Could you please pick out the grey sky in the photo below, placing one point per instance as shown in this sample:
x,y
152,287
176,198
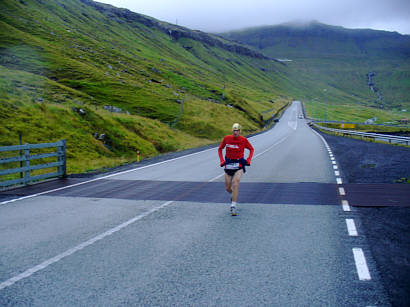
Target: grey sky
x,y
224,15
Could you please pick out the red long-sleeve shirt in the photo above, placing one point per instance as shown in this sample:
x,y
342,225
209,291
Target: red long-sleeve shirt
x,y
235,147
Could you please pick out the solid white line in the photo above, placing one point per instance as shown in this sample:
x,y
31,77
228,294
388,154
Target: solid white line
x,y
103,177
345,205
77,248
361,265
342,191
277,143
351,227
339,180
219,176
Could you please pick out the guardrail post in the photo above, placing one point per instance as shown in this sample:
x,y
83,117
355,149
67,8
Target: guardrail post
x,y
62,170
27,165
21,153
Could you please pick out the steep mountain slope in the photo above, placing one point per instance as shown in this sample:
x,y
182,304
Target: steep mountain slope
x,y
334,59
112,82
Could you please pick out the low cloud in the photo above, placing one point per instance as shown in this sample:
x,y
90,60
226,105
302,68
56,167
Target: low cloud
x,y
218,16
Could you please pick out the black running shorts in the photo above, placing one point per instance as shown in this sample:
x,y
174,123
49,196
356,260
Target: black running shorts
x,y
231,172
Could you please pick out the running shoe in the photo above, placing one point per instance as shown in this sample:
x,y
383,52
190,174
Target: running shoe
x,y
233,210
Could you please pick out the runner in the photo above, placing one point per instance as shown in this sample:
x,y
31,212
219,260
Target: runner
x,y
234,161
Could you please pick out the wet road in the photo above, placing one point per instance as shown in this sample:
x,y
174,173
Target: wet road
x,y
161,235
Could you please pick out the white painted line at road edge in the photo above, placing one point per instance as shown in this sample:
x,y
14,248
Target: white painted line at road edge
x,y
79,247
103,177
361,265
121,173
351,228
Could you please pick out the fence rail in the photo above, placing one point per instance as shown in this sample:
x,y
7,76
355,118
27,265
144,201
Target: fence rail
x,y
26,167
376,136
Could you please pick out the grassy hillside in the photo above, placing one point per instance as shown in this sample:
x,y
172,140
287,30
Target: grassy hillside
x,y
65,66
333,62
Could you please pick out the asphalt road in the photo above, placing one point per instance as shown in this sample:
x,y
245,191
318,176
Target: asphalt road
x,y
162,235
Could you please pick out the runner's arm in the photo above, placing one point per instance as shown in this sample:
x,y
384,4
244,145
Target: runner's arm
x,y
251,151
220,148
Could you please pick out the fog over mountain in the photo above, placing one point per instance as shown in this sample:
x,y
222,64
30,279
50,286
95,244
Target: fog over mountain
x,y
220,16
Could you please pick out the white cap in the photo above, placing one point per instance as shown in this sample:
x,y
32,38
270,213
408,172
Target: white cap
x,y
236,126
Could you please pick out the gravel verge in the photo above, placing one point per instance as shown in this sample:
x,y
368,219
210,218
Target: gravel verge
x,y
386,228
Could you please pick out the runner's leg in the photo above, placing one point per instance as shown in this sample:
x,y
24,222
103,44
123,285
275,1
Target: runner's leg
x,y
235,184
228,183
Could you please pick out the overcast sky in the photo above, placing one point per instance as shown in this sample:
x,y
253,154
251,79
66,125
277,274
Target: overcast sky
x,y
224,15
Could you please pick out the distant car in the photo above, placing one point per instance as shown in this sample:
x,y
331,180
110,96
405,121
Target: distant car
x,y
276,120
300,116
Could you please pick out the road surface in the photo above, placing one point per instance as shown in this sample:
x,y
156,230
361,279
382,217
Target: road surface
x,y
162,235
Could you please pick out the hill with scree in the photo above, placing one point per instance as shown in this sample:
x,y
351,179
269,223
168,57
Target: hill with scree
x,y
112,82
366,68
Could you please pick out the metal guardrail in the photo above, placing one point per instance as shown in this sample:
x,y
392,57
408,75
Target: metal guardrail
x,y
25,158
390,138
358,123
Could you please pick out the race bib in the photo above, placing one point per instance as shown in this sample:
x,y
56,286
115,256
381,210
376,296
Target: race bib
x,y
232,166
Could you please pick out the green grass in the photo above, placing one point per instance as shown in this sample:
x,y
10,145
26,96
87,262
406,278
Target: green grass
x,y
58,57
352,113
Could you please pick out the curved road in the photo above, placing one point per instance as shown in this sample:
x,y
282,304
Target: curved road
x,y
162,235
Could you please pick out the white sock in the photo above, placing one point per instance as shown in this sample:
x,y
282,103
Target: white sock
x,y
233,204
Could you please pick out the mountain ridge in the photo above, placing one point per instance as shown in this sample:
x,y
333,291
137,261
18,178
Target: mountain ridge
x,y
364,39
326,56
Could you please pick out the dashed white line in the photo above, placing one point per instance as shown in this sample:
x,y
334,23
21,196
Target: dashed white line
x,y
342,191
361,265
351,228
335,167
337,173
77,248
339,180
345,205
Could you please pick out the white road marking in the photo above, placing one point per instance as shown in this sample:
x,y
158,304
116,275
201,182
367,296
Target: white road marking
x,y
277,143
77,248
103,177
217,177
342,191
351,227
335,167
339,180
337,173
333,162
345,205
361,265
332,158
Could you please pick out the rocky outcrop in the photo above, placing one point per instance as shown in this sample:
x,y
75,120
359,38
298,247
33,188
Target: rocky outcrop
x,y
176,32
